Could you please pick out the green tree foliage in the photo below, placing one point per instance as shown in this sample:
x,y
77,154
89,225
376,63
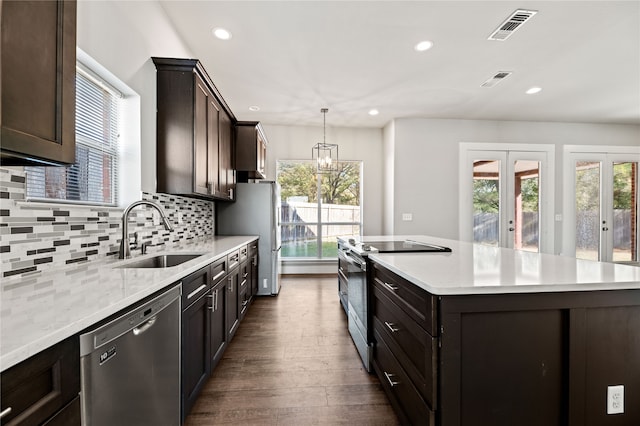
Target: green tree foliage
x,y
343,186
486,196
588,186
622,180
300,180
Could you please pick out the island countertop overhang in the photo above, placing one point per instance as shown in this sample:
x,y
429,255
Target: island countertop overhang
x,y
480,269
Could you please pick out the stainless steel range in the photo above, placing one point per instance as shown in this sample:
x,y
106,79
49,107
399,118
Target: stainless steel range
x,y
353,276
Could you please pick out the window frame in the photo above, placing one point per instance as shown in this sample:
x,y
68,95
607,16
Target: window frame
x,y
113,150
319,224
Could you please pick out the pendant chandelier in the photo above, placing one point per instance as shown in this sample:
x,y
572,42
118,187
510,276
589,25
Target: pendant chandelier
x,y
325,154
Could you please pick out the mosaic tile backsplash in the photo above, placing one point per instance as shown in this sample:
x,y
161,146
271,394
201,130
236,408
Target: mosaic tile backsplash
x,y
38,236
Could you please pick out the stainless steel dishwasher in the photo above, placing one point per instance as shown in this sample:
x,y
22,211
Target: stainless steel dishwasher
x,y
130,367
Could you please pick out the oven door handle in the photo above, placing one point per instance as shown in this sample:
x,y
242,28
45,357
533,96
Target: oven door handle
x,y
349,258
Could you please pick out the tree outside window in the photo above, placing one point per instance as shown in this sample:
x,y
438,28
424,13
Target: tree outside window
x,y
316,208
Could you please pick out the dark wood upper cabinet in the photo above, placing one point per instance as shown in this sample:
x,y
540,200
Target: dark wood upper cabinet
x,y
227,168
194,154
38,69
251,150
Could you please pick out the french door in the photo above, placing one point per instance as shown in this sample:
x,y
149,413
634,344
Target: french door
x,y
603,208
507,200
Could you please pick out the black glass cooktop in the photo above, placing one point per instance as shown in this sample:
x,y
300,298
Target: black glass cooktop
x,y
404,246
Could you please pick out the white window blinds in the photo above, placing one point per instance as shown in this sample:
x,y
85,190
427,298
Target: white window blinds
x,y
93,177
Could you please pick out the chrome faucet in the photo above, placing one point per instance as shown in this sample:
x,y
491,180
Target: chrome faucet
x,y
125,250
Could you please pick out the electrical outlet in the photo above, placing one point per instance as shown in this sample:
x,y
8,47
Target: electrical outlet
x,y
615,399
407,217
264,283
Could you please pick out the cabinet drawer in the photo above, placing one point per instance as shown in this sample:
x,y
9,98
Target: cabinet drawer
x,y
219,270
244,253
395,381
39,387
233,259
417,303
244,276
253,248
413,347
194,286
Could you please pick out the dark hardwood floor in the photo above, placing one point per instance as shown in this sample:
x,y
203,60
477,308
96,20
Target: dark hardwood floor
x,y
292,362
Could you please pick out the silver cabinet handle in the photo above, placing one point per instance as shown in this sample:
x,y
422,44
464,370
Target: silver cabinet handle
x,y
196,291
391,382
5,412
144,327
391,327
391,286
218,275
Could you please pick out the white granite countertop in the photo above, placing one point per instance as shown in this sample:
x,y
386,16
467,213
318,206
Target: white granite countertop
x,y
40,311
480,269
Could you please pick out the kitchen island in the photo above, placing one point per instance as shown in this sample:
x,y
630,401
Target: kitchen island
x,y
484,335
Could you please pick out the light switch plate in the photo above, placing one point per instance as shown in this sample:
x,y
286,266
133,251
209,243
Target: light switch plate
x,y
407,217
615,399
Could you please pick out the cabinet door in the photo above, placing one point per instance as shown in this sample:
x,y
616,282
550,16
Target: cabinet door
x,y
226,171
195,352
233,313
213,146
218,321
38,57
206,141
253,275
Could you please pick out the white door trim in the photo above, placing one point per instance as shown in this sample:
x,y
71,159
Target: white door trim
x,y
571,153
547,188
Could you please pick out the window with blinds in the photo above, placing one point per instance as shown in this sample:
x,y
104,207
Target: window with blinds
x,y
93,177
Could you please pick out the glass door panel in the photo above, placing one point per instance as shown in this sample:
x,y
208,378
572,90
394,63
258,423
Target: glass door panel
x,y
588,201
525,224
625,206
486,202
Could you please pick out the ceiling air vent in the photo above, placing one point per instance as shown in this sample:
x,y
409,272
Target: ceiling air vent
x,y
500,75
512,23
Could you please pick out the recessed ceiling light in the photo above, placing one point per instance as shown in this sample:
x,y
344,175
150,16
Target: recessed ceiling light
x,y
221,33
374,112
254,108
423,45
533,90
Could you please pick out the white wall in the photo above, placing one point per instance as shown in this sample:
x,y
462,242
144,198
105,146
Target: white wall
x,y
123,36
364,144
425,178
388,158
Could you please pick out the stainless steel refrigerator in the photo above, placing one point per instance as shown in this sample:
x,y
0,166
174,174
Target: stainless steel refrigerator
x,y
256,211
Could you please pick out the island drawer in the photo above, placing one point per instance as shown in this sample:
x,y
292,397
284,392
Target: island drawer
x,y
417,303
414,348
400,390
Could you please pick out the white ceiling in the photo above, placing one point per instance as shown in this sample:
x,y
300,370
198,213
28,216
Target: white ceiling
x,y
292,58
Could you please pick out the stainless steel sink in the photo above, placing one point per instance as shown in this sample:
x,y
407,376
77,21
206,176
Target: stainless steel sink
x,y
161,261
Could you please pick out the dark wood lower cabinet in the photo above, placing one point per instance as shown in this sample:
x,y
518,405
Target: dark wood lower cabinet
x,y
44,387
218,322
233,303
244,296
195,351
507,359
